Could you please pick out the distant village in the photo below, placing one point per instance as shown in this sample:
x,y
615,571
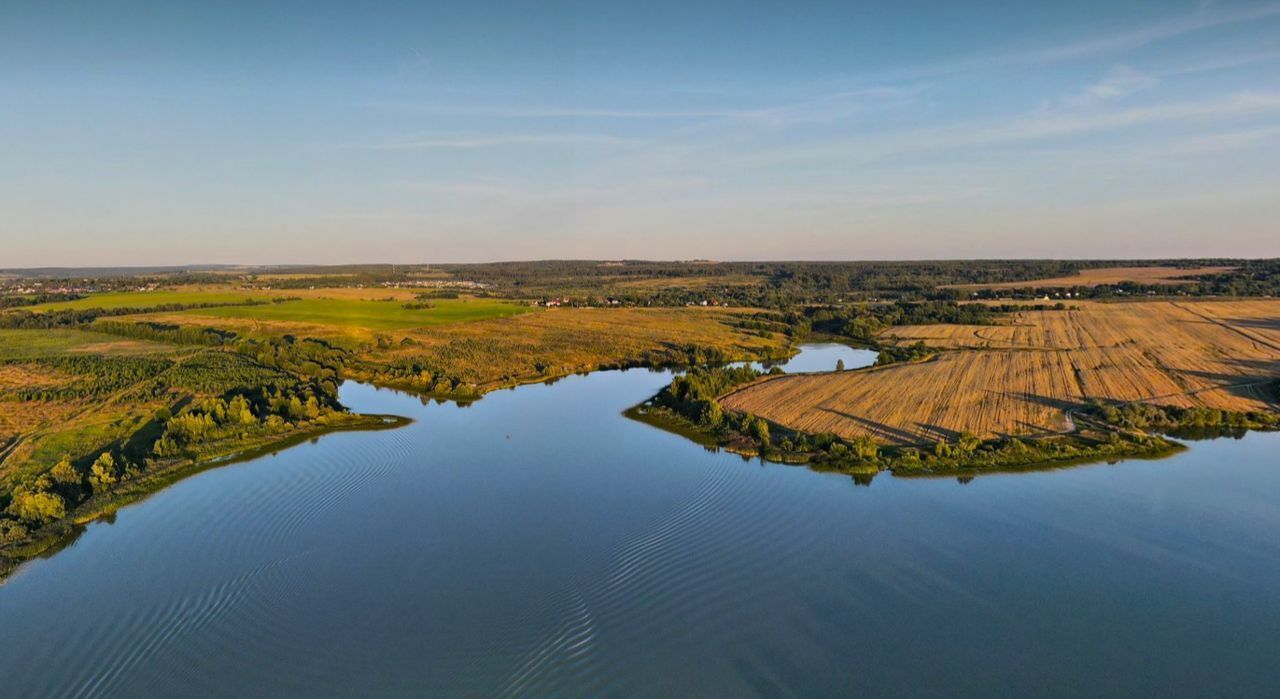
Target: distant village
x,y
87,286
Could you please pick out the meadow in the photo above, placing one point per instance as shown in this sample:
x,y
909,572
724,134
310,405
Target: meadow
x,y
476,344
560,341
1022,377
151,299
45,343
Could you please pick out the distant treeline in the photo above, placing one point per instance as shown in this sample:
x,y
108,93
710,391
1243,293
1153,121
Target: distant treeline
x,y
777,285
1251,278
864,321
18,300
785,284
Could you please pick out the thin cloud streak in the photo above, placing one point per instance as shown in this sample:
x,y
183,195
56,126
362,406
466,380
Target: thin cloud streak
x,y
1160,31
1028,127
502,140
889,82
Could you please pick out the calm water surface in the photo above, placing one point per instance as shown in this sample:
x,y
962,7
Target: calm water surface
x,y
537,543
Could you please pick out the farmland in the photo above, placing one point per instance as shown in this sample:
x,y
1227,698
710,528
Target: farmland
x,y
1021,378
368,314
151,299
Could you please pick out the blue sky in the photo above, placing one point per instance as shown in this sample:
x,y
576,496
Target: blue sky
x,y
159,133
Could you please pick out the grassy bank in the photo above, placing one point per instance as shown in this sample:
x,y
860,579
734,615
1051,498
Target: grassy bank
x,y
56,535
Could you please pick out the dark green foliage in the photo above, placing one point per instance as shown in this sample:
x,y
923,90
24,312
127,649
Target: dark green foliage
x,y
1170,419
316,360
95,375
864,321
888,354
17,301
703,384
165,332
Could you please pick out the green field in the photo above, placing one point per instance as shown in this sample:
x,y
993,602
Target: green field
x,y
151,299
44,343
373,315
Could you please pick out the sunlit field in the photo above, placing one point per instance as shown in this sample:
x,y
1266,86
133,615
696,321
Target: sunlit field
x,y
373,315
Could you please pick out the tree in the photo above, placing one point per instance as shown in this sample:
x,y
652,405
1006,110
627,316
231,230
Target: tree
x,y
64,473
37,505
240,411
11,531
758,429
711,414
103,471
865,448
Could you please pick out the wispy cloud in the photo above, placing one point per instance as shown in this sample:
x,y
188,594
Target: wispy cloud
x,y
1119,82
832,106
476,142
1216,63
516,111
850,95
1040,125
1205,17
1037,125
1101,45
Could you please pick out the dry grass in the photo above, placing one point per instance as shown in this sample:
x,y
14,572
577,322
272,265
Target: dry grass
x,y
24,376
1021,377
552,342
1107,275
20,417
566,340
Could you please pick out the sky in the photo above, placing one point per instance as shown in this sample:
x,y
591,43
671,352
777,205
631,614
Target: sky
x,y
151,133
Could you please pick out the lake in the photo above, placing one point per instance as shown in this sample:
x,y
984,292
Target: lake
x,y
538,543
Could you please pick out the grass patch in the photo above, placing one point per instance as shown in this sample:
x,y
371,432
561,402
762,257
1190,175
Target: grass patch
x,y
151,299
373,315
23,344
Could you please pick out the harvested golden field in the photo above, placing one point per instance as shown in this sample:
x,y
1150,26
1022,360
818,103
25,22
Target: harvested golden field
x,y
1107,275
1021,377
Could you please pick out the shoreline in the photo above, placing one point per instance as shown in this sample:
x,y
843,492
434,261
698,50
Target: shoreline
x,y
56,536
1079,446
